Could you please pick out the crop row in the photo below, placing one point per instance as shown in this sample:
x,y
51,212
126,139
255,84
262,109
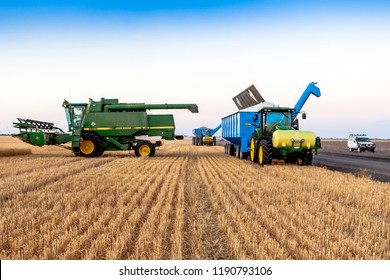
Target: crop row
x,y
187,202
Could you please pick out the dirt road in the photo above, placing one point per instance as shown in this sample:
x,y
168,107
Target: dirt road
x,y
377,168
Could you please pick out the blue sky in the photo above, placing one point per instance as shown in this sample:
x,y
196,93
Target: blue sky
x,y
202,52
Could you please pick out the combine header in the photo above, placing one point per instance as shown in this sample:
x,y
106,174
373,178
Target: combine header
x,y
105,125
40,133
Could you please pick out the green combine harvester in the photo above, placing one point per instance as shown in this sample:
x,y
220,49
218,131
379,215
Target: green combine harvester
x,y
105,125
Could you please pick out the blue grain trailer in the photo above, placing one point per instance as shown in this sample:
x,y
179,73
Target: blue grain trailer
x,y
267,131
204,136
237,132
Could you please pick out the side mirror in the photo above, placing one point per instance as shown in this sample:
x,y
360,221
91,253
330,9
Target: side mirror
x,y
255,117
296,124
304,116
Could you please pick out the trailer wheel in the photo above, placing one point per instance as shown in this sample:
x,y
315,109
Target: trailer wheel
x,y
252,147
144,149
238,151
214,141
91,145
264,152
227,148
231,149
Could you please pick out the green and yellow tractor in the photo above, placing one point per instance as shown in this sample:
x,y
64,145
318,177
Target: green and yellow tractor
x,y
277,137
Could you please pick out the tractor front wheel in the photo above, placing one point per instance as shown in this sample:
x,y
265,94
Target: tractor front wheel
x,y
144,149
91,145
305,159
264,152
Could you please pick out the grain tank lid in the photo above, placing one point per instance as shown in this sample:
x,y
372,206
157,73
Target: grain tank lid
x,y
258,107
247,98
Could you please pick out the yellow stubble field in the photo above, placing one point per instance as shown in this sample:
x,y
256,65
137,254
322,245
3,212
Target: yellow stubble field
x,y
187,202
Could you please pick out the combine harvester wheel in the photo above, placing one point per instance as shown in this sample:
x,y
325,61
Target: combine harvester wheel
x,y
145,149
91,145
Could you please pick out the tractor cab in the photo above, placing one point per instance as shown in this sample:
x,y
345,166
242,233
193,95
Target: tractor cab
x,y
207,132
276,118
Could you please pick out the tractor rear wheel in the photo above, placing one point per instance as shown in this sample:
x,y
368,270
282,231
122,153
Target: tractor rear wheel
x,y
91,145
264,152
144,149
252,147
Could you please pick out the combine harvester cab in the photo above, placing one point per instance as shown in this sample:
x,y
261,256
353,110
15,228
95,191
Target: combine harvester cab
x,y
106,125
263,131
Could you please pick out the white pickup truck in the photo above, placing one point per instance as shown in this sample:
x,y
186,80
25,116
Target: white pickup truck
x,y
360,142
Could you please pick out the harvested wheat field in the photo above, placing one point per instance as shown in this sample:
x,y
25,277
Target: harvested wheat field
x,y
187,202
13,147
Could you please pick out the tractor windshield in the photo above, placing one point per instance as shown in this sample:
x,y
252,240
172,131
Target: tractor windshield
x,y
278,118
207,132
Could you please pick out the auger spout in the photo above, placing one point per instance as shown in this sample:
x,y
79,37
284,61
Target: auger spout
x,y
143,107
311,89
